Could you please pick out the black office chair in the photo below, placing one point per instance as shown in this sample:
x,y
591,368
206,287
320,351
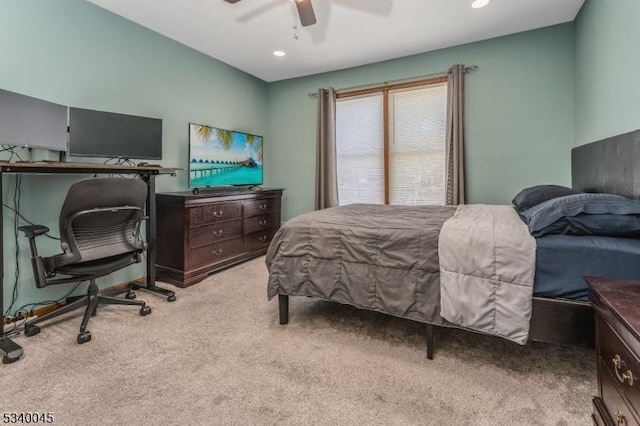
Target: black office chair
x,y
99,233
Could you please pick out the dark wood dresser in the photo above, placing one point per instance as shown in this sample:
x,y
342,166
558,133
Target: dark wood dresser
x,y
616,303
199,234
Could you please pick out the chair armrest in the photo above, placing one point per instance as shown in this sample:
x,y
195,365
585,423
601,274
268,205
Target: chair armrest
x,y
33,230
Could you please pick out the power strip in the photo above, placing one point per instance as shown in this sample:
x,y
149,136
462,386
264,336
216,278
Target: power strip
x,y
9,320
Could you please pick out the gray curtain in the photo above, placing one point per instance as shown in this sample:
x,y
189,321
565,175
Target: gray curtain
x,y
454,176
326,167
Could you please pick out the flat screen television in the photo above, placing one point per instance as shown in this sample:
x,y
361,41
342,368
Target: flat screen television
x,y
112,135
219,157
32,123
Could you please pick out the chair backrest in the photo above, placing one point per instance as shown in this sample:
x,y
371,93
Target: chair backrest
x,y
101,217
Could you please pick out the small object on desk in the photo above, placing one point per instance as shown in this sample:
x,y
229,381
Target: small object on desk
x,y
145,164
615,302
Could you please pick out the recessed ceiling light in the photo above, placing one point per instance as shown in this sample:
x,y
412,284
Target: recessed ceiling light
x,y
278,53
479,3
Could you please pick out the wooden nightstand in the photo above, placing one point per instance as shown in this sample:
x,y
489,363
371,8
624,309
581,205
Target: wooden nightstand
x,y
616,303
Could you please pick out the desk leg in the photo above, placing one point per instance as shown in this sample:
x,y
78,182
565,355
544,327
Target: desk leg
x,y
9,350
151,242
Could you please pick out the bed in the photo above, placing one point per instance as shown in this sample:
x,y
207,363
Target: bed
x,y
401,271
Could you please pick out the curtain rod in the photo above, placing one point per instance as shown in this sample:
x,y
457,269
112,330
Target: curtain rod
x,y
469,69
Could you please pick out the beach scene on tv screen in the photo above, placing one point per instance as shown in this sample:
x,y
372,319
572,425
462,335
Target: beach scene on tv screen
x,y
223,157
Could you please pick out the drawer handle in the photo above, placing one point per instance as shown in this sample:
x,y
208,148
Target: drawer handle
x,y
263,238
217,252
262,222
217,233
263,206
620,419
625,377
217,214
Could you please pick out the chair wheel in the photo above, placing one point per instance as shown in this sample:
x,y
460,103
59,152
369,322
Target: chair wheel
x,y
130,295
171,298
7,360
31,330
145,310
84,337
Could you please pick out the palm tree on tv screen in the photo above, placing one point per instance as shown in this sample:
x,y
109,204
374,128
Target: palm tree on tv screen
x,y
225,137
203,132
250,140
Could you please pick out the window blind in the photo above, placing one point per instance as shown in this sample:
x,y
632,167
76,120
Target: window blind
x,y
360,149
417,145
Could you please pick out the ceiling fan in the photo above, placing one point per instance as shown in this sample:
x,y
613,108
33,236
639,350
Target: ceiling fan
x,y
305,11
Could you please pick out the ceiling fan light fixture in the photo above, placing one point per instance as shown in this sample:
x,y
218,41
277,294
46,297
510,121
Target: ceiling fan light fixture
x,y
477,4
278,53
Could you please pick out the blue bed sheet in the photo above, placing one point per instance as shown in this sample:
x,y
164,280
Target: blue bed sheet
x,y
562,261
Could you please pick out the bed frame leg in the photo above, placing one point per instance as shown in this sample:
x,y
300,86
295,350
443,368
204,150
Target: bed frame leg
x,y
283,304
430,341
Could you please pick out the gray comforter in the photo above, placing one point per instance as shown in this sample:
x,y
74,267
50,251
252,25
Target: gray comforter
x,y
375,257
487,265
473,268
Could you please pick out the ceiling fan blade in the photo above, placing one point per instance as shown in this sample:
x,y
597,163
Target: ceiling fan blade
x,y
232,1
305,11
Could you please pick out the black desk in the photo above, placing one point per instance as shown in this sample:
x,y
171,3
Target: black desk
x,y
9,350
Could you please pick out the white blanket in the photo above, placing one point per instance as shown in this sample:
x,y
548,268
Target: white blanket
x,y
487,266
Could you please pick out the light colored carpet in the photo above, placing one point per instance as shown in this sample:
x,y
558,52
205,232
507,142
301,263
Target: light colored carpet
x,y
218,356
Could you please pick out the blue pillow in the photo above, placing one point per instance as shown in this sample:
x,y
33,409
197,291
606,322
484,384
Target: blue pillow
x,y
585,214
535,195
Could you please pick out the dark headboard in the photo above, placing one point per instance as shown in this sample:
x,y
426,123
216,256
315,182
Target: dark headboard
x,y
611,165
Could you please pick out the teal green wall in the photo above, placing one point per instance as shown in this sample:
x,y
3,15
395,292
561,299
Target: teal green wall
x,y
519,115
74,53
607,60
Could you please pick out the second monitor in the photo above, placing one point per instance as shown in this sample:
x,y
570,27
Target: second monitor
x,y
112,135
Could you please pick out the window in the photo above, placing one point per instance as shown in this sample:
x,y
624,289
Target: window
x,y
390,144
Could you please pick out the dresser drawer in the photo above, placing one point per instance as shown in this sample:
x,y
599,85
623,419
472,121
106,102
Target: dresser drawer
x,y
615,404
258,240
214,213
260,223
261,206
600,416
213,253
208,234
622,365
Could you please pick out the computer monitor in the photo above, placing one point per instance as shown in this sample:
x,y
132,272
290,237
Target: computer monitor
x,y
112,135
32,123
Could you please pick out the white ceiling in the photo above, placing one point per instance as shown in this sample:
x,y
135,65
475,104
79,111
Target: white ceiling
x,y
348,32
